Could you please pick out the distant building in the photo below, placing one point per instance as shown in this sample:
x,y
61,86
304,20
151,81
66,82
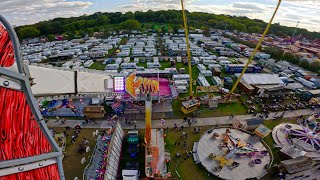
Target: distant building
x,y
252,83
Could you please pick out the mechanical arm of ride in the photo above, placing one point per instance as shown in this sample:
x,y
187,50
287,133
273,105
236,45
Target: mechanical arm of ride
x,y
27,148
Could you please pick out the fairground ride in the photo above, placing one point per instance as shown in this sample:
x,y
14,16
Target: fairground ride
x,y
235,146
27,148
154,142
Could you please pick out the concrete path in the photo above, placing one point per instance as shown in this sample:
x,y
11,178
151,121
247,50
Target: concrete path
x,y
224,120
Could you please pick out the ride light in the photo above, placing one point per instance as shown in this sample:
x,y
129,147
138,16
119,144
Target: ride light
x,y
118,84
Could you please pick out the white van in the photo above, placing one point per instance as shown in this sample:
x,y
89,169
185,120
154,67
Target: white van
x,y
118,60
206,73
205,58
181,77
140,68
202,81
201,67
153,65
171,70
195,60
179,59
128,66
207,62
181,89
181,83
112,67
88,63
222,58
196,53
211,66
224,63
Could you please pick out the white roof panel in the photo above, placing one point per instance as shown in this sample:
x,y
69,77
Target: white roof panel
x,y
261,78
51,81
92,83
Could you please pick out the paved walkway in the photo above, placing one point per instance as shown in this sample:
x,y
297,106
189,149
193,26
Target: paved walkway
x,y
224,120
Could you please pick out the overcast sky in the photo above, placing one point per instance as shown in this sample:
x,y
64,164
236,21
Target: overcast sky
x,y
21,12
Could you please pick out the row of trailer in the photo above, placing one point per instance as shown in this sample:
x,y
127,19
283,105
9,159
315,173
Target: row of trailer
x,y
238,68
182,85
131,65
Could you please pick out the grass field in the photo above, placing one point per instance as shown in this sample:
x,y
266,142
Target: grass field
x,y
235,108
165,65
97,65
123,41
142,64
72,162
111,52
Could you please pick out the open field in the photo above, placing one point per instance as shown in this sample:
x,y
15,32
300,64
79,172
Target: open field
x,y
72,162
235,108
97,65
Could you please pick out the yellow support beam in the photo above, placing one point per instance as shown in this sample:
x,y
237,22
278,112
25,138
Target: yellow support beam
x,y
188,46
255,50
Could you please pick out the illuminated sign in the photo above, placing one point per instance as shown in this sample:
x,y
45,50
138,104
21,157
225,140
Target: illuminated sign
x,y
143,84
118,84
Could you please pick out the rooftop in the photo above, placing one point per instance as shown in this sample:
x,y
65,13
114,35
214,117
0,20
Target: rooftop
x,y
261,78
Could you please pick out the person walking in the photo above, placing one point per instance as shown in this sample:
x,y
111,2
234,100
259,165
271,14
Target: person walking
x,y
185,144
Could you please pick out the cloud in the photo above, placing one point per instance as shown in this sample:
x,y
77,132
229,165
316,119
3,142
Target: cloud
x,y
290,12
244,5
21,12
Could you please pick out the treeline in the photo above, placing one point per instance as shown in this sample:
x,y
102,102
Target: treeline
x,y
106,22
279,55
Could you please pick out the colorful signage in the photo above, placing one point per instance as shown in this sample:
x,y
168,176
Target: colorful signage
x,y
145,85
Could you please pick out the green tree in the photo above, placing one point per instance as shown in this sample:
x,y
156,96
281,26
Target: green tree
x,y
129,15
28,32
51,37
221,25
212,22
175,29
315,67
206,31
304,64
130,25
163,29
254,29
102,20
